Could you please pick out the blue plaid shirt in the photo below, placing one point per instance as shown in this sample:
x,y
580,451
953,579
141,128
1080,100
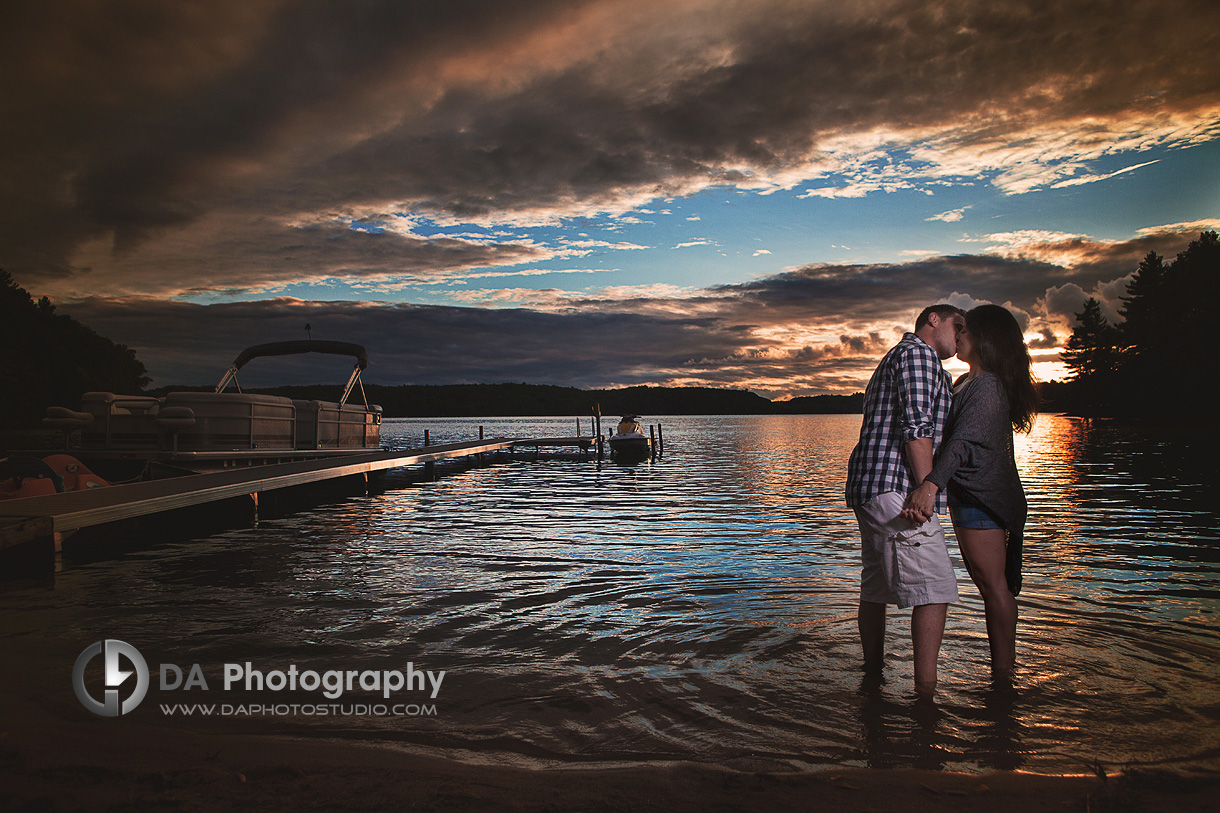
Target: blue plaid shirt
x,y
908,397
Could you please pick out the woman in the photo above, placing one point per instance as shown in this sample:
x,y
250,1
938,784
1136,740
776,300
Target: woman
x,y
975,463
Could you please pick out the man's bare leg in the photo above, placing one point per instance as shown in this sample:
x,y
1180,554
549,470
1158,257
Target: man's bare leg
x,y
870,619
927,629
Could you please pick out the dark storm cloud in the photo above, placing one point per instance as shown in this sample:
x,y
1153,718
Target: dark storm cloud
x,y
185,343
238,254
128,121
129,118
799,73
866,293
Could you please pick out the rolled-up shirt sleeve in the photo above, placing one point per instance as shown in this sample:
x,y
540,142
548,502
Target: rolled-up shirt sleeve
x,y
916,379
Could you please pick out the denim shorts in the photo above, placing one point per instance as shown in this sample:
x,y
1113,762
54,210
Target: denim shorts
x,y
969,516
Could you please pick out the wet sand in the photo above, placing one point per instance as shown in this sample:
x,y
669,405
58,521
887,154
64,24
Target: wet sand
x,y
54,756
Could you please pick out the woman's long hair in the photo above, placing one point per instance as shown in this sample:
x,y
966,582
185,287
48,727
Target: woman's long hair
x,y
1001,348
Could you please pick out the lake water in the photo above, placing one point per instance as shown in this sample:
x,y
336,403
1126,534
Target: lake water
x,y
698,607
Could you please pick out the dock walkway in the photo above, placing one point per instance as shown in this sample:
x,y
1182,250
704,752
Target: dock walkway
x,y
51,515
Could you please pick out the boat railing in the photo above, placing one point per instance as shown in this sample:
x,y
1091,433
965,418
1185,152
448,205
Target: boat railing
x,y
235,422
120,421
218,422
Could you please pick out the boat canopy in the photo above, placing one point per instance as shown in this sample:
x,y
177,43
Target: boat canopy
x,y
293,348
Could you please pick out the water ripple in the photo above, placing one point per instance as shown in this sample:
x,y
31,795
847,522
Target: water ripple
x,y
703,606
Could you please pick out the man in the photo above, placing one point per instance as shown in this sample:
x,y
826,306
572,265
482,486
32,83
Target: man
x,y
905,407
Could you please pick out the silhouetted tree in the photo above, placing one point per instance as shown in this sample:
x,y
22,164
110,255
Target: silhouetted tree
x,y
47,359
1159,363
1186,330
1145,307
1144,303
1092,346
1092,351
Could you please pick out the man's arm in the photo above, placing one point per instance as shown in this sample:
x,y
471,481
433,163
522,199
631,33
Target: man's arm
x,y
919,457
920,504
916,381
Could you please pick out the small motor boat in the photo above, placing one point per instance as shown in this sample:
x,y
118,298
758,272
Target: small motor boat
x,y
629,440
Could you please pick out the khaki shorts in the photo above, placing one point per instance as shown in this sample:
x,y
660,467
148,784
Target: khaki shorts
x,y
903,565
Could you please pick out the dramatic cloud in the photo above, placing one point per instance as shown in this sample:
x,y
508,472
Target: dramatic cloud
x,y
147,136
811,330
580,191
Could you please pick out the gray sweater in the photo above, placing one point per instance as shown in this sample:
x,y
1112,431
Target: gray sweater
x,y
975,461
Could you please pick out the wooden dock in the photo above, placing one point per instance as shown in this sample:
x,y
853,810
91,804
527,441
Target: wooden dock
x,y
52,515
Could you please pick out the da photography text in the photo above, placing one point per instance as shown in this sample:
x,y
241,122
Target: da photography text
x,y
122,662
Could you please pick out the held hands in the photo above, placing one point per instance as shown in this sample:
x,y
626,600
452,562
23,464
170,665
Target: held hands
x,y
921,503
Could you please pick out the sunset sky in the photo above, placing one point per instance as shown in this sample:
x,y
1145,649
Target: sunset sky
x,y
604,193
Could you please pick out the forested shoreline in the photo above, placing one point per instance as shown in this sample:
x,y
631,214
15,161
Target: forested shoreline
x,y
518,400
1157,363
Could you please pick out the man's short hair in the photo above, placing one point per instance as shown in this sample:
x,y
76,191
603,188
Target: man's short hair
x,y
943,311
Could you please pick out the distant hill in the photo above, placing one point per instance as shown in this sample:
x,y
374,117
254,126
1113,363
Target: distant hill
x,y
822,405
512,400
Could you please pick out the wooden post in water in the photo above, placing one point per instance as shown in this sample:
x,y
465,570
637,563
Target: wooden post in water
x,y
652,433
597,414
661,438
430,467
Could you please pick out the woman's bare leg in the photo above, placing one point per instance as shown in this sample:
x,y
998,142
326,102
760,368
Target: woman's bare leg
x,y
986,551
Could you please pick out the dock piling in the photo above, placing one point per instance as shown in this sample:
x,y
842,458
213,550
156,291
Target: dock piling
x,y
597,431
429,467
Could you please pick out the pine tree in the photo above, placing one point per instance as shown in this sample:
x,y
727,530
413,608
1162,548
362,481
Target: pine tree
x,y
1186,331
1144,304
1092,353
1092,347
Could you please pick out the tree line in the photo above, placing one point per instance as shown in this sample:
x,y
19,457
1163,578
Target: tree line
x,y
1159,361
520,400
48,359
